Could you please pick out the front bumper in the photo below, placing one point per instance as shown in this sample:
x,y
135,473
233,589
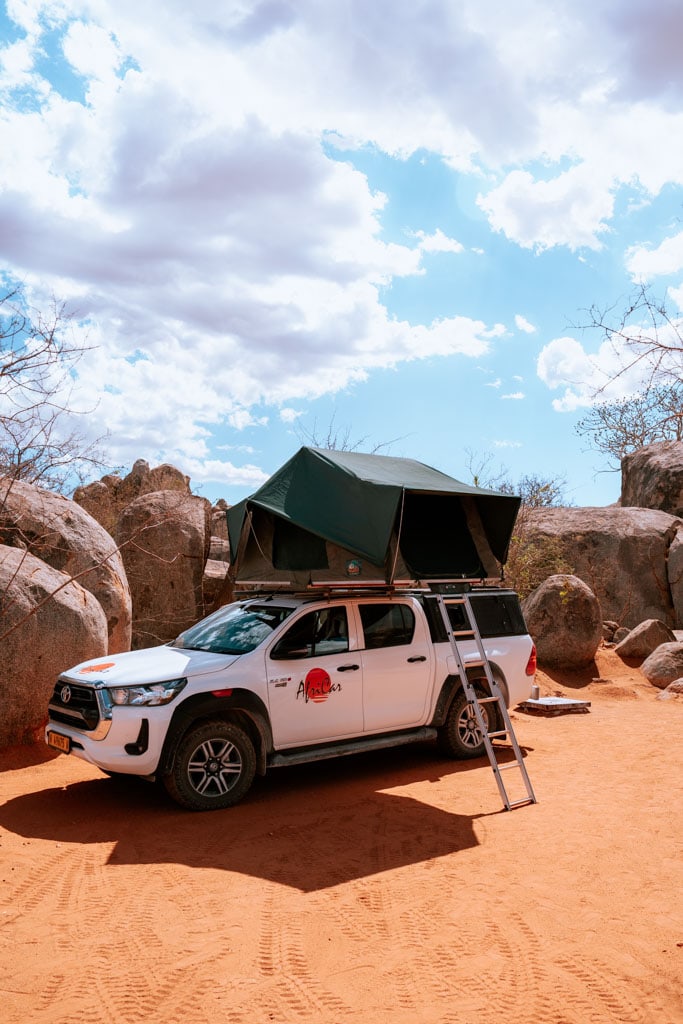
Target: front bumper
x,y
129,741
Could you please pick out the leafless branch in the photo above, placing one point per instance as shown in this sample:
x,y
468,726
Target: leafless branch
x,y
38,356
644,335
618,428
339,439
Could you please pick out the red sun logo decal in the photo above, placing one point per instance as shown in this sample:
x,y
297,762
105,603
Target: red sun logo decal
x,y
317,685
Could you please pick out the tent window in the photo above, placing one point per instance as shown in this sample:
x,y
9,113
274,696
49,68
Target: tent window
x,y
295,549
435,538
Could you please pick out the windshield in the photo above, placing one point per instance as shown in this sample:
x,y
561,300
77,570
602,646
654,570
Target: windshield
x,y
234,629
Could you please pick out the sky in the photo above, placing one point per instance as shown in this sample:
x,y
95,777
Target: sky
x,y
380,220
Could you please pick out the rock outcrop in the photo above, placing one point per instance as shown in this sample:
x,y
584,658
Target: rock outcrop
x,y
219,549
664,665
213,583
564,619
652,477
644,639
164,539
47,624
621,553
219,519
106,499
65,537
675,575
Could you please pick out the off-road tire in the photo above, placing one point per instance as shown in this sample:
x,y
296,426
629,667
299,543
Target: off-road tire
x,y
460,737
213,767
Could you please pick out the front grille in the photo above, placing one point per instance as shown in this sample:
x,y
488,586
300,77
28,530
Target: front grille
x,y
81,710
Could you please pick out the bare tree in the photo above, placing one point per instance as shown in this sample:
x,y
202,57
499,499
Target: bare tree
x,y
535,491
482,473
647,341
645,336
618,428
38,355
339,439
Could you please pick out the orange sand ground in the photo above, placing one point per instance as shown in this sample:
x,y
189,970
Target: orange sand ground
x,y
388,887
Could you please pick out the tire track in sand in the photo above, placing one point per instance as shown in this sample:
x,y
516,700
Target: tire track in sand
x,y
297,994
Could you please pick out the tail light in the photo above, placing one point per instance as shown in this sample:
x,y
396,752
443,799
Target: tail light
x,y
531,663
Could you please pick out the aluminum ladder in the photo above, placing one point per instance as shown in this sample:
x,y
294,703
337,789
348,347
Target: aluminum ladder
x,y
470,631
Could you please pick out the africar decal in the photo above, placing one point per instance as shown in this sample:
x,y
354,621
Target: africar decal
x,y
316,687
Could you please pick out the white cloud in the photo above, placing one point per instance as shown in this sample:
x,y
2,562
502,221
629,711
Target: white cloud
x,y
191,211
609,374
507,444
288,415
676,296
240,419
91,50
572,209
522,324
438,242
516,396
224,473
564,363
644,263
16,65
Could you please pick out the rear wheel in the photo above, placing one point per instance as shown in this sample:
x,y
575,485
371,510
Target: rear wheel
x,y
214,767
460,736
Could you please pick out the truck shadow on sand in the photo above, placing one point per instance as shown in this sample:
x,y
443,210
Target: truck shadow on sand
x,y
309,827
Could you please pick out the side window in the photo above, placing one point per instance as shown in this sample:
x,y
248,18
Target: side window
x,y
387,625
314,635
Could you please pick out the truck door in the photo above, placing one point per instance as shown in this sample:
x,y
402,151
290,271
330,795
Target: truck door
x,y
397,666
315,681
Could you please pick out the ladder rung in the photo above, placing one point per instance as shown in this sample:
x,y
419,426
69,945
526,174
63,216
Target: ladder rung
x,y
499,732
512,764
474,664
462,632
487,700
521,802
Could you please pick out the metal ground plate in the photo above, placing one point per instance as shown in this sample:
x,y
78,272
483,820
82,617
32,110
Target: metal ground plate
x,y
554,706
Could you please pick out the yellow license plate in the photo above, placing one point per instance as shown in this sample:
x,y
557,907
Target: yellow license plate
x,y
59,742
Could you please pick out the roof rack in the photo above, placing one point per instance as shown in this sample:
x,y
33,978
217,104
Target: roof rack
x,y
339,587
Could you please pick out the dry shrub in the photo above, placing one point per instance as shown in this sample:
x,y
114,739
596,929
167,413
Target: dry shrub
x,y
533,559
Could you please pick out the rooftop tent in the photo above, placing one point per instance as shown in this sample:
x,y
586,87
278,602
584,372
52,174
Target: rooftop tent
x,y
337,516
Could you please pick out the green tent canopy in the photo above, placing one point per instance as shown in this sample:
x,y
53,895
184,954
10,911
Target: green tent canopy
x,y
331,516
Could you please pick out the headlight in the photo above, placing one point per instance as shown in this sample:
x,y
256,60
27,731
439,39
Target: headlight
x,y
146,696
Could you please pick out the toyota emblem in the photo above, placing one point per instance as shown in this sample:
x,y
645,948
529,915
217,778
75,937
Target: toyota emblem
x,y
65,694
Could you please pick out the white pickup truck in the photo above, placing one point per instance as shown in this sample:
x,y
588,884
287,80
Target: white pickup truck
x,y
276,679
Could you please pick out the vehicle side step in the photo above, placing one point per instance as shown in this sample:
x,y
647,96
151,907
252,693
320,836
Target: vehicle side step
x,y
303,755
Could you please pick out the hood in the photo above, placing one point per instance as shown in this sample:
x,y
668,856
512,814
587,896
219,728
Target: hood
x,y
151,665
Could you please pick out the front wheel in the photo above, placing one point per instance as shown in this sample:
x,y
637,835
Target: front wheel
x,y
460,735
214,766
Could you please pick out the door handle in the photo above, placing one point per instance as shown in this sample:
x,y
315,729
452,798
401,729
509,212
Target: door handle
x,y
417,657
347,668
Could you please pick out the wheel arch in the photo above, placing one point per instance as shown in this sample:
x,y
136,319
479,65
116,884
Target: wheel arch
x,y
242,707
452,685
